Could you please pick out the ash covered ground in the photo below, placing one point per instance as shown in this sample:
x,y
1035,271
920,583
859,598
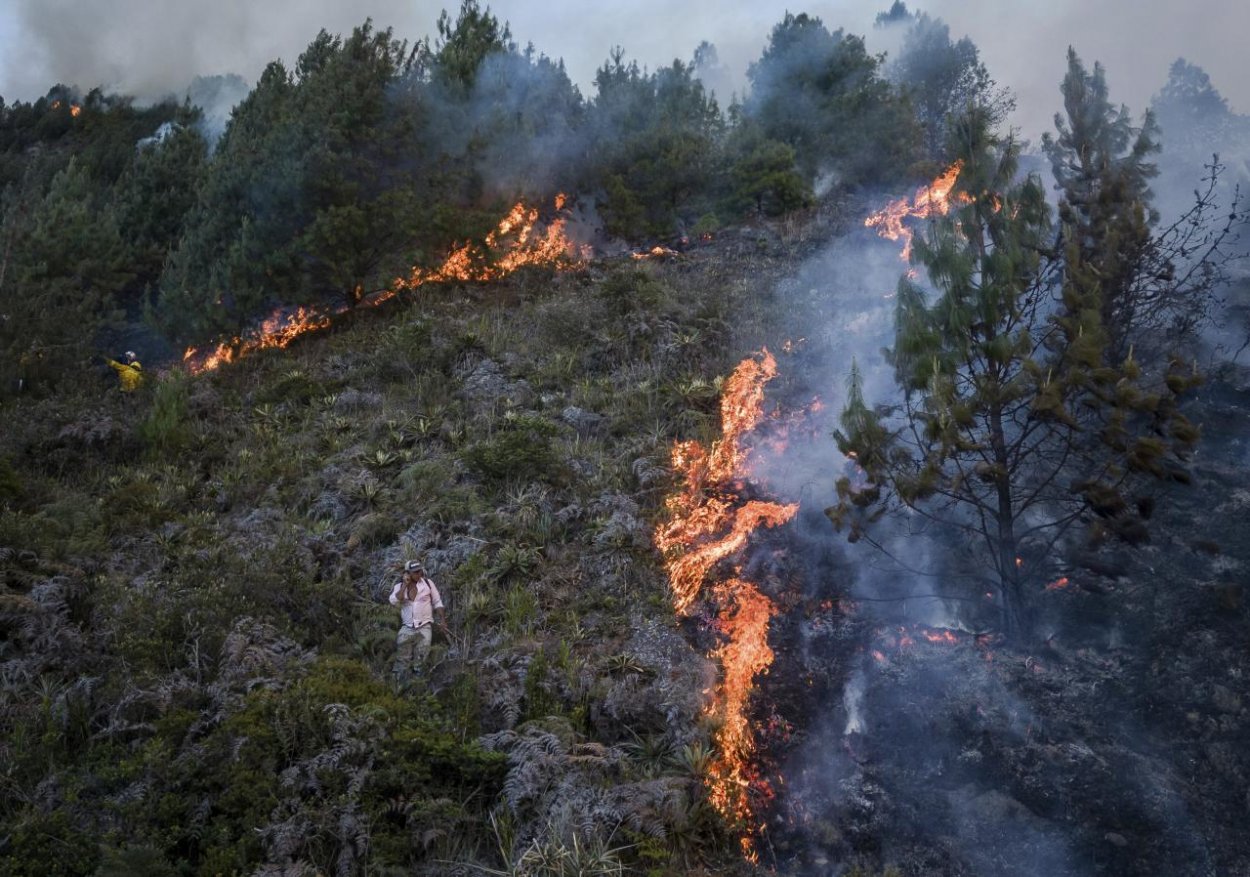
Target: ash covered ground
x,y
907,735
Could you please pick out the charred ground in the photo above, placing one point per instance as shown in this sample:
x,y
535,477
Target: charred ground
x,y
192,586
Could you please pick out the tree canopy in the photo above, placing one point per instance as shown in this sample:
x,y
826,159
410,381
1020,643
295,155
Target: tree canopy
x,y
822,93
1014,423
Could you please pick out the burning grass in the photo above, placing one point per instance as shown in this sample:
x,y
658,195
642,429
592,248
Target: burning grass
x,y
517,241
709,522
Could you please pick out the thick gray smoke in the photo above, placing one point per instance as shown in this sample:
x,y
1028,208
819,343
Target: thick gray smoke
x,y
142,48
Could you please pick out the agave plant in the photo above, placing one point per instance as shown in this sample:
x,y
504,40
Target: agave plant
x,y
515,561
622,663
369,492
694,759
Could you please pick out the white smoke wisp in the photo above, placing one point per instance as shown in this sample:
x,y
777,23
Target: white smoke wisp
x,y
135,47
853,703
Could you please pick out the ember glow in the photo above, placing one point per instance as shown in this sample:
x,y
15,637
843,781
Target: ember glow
x,y
655,253
708,523
905,637
278,330
512,244
515,242
929,200
1058,584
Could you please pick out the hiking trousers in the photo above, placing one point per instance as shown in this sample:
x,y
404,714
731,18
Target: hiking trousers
x,y
412,644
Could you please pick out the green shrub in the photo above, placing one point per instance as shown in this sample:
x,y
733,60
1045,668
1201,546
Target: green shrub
x,y
521,448
137,861
632,289
294,387
374,529
539,700
73,526
10,484
48,845
514,561
134,505
520,609
166,428
708,223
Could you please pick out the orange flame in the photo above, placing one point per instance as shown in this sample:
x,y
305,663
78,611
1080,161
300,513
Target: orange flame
x,y
511,245
656,252
707,523
278,330
75,110
1058,584
928,200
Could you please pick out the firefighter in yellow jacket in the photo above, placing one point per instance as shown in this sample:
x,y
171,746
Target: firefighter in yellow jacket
x,y
129,373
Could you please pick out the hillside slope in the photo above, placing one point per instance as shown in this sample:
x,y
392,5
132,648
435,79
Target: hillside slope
x,y
197,645
196,670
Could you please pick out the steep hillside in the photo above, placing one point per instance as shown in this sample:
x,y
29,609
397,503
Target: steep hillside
x,y
198,646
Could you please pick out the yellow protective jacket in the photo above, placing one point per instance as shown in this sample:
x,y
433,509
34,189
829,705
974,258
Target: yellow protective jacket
x,y
130,375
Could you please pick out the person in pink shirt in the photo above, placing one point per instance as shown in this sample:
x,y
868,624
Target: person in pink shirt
x,y
420,606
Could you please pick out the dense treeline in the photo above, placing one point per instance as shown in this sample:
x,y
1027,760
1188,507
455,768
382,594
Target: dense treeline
x,y
369,155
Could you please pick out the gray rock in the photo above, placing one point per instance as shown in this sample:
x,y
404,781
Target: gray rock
x,y
587,423
352,400
485,382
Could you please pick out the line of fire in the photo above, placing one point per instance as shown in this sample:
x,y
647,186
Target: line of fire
x,y
723,537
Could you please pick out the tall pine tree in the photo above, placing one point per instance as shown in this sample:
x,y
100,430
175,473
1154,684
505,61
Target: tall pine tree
x,y
1012,426
1102,166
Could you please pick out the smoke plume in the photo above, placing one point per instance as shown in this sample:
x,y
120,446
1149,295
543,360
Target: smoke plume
x,y
130,46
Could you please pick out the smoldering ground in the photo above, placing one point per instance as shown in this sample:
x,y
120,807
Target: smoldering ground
x,y
964,755
916,742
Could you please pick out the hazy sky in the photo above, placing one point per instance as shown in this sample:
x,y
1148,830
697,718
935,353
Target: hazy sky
x,y
151,47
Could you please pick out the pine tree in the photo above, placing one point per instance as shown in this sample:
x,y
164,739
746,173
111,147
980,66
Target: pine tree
x,y
1012,426
64,263
305,198
655,138
763,176
944,77
1102,167
821,92
463,45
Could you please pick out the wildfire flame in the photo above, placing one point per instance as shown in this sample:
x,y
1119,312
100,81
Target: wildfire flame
x,y
707,523
278,330
934,198
512,244
1058,584
657,252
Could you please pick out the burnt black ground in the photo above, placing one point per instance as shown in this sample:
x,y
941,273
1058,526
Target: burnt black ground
x,y
1119,747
